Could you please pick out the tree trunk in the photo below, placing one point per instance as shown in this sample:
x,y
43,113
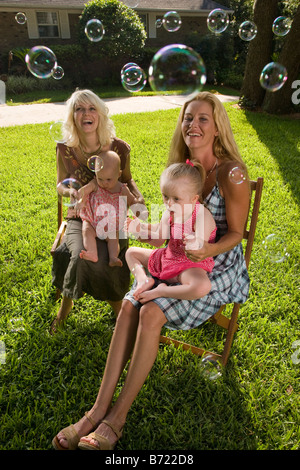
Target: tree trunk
x,y
259,52
280,102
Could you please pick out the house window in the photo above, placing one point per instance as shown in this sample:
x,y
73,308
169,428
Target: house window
x,y
47,24
144,20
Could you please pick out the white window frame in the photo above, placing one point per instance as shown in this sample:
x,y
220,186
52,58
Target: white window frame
x,y
32,25
47,25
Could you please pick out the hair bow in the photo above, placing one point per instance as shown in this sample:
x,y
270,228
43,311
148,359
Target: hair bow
x,y
188,162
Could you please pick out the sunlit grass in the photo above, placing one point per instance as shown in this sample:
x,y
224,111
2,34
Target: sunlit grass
x,y
48,382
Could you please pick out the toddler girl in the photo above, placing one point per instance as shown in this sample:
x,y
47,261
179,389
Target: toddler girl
x,y
181,186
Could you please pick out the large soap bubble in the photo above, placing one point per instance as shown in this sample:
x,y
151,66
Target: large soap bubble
x,y
133,77
57,131
177,69
281,26
273,76
41,61
94,30
171,21
247,30
275,248
217,21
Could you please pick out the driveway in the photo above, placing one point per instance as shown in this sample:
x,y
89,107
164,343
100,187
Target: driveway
x,y
48,112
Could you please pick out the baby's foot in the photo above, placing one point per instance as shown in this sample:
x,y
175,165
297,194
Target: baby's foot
x,y
89,255
143,286
115,262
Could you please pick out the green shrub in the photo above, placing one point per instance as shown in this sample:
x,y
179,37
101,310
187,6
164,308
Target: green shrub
x,y
17,84
124,31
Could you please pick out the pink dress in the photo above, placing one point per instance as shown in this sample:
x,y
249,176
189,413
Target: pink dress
x,y
170,261
105,211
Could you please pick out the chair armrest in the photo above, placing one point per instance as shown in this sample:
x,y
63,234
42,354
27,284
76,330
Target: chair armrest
x,y
59,236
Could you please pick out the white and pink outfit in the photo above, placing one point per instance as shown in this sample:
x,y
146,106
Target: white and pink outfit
x,y
171,260
105,211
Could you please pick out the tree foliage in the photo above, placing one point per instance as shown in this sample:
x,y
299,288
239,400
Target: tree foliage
x,y
124,31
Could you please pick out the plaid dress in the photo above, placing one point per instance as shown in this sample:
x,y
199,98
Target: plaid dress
x,y
229,278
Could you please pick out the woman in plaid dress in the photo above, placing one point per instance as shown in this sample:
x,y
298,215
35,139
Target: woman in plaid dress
x,y
203,133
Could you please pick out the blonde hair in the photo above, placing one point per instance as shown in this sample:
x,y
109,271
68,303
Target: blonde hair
x,y
106,128
193,171
224,146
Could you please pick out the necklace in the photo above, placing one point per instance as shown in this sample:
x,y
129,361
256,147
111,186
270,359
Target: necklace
x,y
212,169
87,155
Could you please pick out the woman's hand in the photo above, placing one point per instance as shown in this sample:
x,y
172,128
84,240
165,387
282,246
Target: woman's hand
x,y
200,254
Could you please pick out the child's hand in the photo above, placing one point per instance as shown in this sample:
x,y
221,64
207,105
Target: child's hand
x,y
132,226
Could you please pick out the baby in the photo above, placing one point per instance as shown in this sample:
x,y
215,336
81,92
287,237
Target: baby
x,y
105,210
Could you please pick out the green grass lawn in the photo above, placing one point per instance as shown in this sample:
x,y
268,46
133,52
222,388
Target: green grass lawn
x,y
49,382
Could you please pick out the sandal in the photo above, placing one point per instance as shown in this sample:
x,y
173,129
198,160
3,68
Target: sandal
x,y
71,436
104,443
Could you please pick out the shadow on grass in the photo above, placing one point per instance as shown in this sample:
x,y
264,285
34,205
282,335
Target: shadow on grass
x,y
281,136
178,408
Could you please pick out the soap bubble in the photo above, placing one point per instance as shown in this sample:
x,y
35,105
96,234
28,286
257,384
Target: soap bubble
x,y
275,248
281,26
95,163
211,368
158,23
133,78
20,18
132,3
16,325
94,30
295,357
58,72
171,21
2,352
126,66
70,183
273,76
237,175
177,69
41,61
56,131
217,20
247,31
132,74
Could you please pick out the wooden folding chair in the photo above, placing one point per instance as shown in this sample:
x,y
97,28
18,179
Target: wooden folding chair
x,y
62,225
230,323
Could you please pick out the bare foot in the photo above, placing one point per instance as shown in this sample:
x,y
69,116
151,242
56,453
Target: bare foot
x,y
89,255
148,295
143,287
115,262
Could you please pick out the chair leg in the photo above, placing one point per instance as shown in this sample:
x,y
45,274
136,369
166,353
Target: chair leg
x,y
231,330
57,293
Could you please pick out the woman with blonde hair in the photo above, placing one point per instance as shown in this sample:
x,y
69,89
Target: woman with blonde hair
x,y
87,132
203,134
